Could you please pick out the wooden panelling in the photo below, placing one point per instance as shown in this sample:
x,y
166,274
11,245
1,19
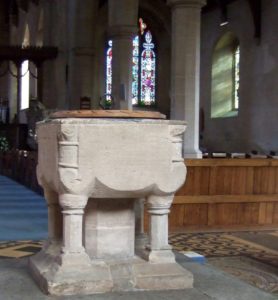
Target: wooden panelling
x,y
263,213
236,213
275,213
231,180
250,214
197,182
212,214
219,193
225,198
195,214
176,217
266,180
227,213
269,213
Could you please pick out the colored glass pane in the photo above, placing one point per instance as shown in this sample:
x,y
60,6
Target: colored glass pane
x,y
108,90
135,70
143,69
148,71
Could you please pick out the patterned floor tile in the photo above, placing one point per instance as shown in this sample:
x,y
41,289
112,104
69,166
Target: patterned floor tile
x,y
252,271
221,245
250,261
19,249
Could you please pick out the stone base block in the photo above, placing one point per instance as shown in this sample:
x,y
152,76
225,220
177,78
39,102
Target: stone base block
x,y
55,279
157,256
101,277
170,276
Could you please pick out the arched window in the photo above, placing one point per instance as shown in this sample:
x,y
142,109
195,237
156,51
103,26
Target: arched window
x,y
25,74
143,68
109,71
147,87
236,78
135,70
225,77
25,85
28,76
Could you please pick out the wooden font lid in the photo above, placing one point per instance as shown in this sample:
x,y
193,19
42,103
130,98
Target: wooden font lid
x,y
127,114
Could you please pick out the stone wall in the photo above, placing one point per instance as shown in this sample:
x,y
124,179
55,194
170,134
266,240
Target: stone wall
x,y
255,127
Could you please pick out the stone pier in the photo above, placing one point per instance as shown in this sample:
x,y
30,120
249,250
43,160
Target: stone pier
x,y
185,73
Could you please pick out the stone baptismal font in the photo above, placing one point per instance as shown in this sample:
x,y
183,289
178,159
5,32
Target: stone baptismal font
x,y
98,169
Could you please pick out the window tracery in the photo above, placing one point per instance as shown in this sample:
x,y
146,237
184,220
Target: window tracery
x,y
143,68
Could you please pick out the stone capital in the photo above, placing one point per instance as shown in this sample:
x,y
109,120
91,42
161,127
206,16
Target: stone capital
x,y
159,205
122,31
187,3
73,202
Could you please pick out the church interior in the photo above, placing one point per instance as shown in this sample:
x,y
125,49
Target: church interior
x,y
210,63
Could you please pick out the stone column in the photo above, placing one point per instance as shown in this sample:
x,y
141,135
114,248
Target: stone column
x,y
55,221
73,251
185,73
55,72
122,29
159,208
140,236
81,66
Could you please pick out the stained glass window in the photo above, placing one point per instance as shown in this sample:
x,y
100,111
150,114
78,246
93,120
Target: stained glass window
x,y
236,80
135,70
108,90
143,68
148,71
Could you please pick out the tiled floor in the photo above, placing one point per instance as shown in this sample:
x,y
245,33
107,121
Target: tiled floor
x,y
19,249
233,253
249,270
229,244
250,256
